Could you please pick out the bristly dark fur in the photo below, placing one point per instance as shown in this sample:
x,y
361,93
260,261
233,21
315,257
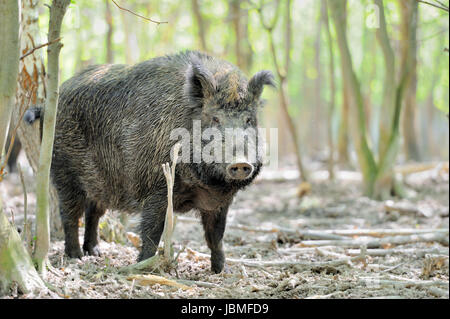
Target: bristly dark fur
x,y
112,135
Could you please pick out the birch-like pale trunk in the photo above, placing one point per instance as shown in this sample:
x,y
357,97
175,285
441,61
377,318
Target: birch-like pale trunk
x,y
9,57
32,81
57,11
15,262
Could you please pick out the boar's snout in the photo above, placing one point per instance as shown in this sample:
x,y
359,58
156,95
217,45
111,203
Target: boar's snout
x,y
240,170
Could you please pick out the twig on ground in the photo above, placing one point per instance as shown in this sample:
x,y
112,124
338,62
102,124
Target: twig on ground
x,y
149,280
404,251
286,263
325,296
438,292
383,232
198,283
375,282
392,268
326,253
405,208
308,234
327,233
441,237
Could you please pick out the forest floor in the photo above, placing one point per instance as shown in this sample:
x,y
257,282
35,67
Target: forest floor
x,y
332,242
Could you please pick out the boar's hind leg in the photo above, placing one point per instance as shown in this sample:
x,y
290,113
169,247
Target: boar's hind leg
x,y
92,216
71,211
214,226
152,225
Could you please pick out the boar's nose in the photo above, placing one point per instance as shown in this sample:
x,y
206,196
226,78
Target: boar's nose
x,y
240,170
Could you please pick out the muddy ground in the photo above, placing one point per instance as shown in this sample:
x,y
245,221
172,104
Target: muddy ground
x,y
261,228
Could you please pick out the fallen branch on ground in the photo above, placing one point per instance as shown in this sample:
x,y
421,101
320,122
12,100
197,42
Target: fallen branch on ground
x,y
310,234
149,280
440,237
420,167
327,233
374,282
198,283
405,208
403,251
285,263
438,292
384,232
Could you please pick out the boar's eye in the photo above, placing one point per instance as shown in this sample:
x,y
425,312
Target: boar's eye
x,y
216,119
248,121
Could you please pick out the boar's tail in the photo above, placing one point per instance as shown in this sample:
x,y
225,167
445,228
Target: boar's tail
x,y
32,114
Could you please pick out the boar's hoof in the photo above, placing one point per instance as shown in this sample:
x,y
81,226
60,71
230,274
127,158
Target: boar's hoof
x,y
73,253
217,262
143,255
92,251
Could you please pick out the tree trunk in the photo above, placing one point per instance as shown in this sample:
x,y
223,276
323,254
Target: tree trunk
x,y
31,90
385,183
317,110
411,147
293,131
57,11
343,136
109,33
358,130
15,262
131,44
235,8
9,57
385,180
388,104
200,24
283,77
247,51
332,90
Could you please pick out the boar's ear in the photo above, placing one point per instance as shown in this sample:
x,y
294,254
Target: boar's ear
x,y
200,84
257,82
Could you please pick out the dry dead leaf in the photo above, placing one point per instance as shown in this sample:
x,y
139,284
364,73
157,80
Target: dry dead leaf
x,y
134,239
303,189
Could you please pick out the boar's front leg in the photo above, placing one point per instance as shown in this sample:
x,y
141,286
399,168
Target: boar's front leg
x,y
214,226
152,225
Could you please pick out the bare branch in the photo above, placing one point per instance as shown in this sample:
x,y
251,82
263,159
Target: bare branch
x,y
38,47
440,6
138,15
